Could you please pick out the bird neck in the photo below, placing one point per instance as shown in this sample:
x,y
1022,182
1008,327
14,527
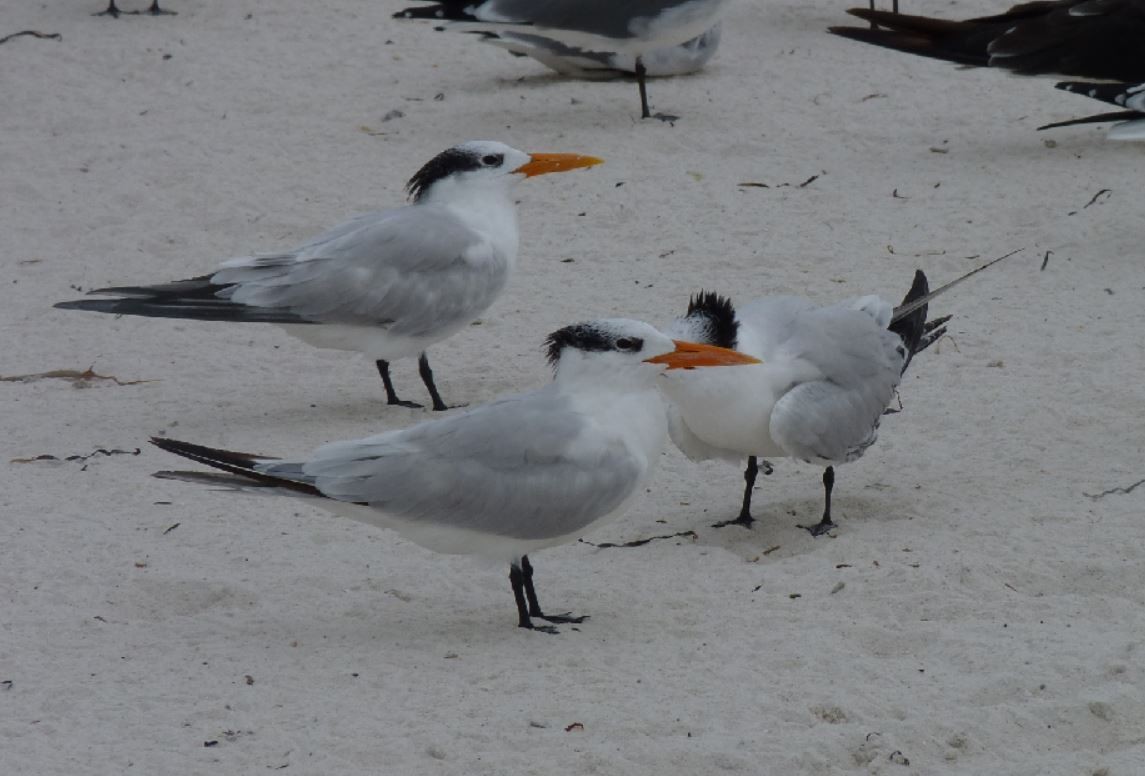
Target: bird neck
x,y
487,209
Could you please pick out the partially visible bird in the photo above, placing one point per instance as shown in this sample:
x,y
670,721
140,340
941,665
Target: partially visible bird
x,y
631,28
687,57
1084,38
826,377
505,479
1130,96
388,284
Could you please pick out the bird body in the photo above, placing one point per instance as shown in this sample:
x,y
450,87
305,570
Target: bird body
x,y
687,57
388,284
828,373
505,479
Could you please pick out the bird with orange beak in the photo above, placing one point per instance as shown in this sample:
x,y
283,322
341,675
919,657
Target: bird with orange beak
x,y
506,479
389,283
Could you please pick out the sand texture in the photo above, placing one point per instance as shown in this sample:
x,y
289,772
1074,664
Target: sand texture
x,y
979,610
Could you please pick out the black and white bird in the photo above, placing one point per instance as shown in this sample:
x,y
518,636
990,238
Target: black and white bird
x,y
687,57
388,284
154,10
629,28
1081,38
1130,96
826,377
506,479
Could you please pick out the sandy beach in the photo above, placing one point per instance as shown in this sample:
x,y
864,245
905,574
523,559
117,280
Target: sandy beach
x,y
979,610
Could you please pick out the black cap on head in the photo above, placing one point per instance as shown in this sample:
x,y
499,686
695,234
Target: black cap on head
x,y
721,327
441,166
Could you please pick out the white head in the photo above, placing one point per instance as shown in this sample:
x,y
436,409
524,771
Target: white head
x,y
485,164
623,352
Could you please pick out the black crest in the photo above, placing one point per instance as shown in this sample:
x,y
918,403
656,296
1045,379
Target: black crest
x,y
442,166
582,336
722,327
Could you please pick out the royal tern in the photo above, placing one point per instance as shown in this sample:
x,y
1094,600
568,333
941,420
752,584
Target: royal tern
x,y
827,376
1130,96
114,12
633,28
505,479
388,284
1084,38
688,57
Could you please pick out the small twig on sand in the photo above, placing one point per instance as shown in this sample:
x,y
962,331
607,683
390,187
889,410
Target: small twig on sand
x,y
32,33
640,542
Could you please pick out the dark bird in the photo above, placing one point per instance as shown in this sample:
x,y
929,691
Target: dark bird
x,y
1081,38
1130,96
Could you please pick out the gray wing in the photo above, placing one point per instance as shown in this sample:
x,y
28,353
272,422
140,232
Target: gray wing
x,y
414,268
527,467
607,18
835,416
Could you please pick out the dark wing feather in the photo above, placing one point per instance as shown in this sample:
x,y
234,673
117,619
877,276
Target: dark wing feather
x,y
195,298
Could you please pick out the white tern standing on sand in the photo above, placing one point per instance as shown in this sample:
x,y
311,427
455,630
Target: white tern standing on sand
x,y
508,478
826,377
629,27
388,284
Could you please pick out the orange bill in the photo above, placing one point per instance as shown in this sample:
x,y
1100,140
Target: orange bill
x,y
539,164
689,355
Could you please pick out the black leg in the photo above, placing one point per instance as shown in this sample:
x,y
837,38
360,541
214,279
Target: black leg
x,y
745,519
111,10
641,74
391,395
641,81
427,378
824,525
531,595
155,10
517,580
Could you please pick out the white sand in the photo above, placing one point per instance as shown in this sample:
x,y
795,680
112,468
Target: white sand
x,y
993,615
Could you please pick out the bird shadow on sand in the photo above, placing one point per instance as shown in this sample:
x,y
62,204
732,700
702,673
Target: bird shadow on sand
x,y
776,533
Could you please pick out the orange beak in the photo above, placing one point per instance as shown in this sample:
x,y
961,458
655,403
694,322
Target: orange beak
x,y
689,355
539,164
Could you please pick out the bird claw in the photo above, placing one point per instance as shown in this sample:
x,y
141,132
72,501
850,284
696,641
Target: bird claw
x,y
413,405
819,528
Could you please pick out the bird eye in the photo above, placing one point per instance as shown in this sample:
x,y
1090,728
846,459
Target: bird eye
x,y
492,160
629,343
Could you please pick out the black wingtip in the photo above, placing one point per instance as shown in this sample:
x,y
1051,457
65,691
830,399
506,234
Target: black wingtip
x,y
912,328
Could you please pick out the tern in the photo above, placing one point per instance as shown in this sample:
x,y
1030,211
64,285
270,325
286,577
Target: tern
x,y
505,479
1082,38
687,57
826,377
114,12
634,28
388,284
1130,96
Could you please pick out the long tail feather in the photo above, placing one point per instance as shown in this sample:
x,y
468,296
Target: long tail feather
x,y
239,465
194,298
907,308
